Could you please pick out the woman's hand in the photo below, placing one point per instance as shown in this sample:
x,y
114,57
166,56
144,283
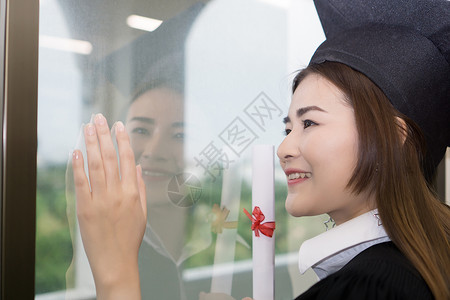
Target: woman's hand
x,y
111,212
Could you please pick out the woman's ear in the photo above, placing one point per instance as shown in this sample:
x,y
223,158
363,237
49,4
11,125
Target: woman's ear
x,y
402,129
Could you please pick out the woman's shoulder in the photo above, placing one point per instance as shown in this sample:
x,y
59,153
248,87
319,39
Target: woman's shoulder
x,y
379,272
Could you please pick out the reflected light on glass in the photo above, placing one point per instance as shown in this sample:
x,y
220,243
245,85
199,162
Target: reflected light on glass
x,y
64,44
279,3
143,23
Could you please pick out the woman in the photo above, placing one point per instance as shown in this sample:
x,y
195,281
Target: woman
x,y
353,150
359,143
155,125
176,231
328,113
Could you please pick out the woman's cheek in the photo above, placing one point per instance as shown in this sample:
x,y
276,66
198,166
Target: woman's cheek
x,y
137,149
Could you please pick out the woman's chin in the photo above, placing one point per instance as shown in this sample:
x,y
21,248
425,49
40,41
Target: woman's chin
x,y
157,197
293,206
299,207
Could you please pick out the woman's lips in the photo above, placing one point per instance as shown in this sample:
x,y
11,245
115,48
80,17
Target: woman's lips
x,y
156,175
295,176
295,181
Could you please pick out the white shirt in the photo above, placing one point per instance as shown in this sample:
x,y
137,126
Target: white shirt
x,y
333,249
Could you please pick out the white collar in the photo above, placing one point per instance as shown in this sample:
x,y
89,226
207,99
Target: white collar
x,y
331,250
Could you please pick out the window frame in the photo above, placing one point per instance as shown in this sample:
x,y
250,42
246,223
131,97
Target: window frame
x,y
19,43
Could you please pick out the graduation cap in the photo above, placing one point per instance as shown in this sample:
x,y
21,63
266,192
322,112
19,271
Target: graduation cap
x,y
403,46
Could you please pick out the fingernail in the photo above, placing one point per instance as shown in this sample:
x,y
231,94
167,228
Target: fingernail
x,y
90,129
139,170
100,119
76,155
120,127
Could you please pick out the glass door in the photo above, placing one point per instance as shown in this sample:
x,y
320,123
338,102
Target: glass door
x,y
198,84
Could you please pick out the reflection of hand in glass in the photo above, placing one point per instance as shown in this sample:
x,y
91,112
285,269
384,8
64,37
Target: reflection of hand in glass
x,y
112,213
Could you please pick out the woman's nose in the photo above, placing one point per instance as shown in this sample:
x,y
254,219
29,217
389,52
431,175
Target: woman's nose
x,y
155,147
288,148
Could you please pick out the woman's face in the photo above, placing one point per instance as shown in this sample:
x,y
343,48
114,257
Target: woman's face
x,y
320,151
156,128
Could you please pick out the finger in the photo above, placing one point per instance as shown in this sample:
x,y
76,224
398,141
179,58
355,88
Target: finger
x,y
142,192
127,163
94,158
82,190
107,151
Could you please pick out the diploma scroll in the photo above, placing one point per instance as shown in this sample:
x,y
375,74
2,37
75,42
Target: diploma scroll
x,y
222,277
263,245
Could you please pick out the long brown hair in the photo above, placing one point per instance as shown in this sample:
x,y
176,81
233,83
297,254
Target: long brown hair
x,y
391,150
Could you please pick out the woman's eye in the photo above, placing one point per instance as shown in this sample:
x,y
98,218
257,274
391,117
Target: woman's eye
x,y
179,135
307,123
287,131
140,130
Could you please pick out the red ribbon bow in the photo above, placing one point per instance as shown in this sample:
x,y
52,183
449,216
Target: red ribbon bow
x,y
257,217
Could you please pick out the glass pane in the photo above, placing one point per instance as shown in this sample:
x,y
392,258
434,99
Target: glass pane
x,y
196,93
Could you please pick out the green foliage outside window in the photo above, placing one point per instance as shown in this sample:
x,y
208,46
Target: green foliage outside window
x,y
53,243
54,246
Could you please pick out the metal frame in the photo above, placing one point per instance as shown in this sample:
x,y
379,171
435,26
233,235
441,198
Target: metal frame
x,y
20,22
2,71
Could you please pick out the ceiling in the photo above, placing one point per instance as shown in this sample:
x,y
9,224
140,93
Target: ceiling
x,y
103,22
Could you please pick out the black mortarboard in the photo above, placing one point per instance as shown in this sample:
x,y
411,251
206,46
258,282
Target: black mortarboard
x,y
403,46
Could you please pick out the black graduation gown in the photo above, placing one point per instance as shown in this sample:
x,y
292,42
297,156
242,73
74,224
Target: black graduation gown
x,y
380,272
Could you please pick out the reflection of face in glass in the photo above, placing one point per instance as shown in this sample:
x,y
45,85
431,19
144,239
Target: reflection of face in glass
x,y
155,125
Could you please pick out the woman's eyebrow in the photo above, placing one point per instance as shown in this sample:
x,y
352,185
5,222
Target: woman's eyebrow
x,y
304,110
143,119
178,124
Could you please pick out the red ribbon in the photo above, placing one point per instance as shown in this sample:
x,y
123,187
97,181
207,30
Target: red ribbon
x,y
257,217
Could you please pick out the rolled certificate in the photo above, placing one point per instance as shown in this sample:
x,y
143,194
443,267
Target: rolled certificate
x,y
263,245
226,229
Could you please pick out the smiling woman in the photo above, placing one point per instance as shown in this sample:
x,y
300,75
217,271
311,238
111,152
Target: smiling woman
x,y
155,124
322,144
371,182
